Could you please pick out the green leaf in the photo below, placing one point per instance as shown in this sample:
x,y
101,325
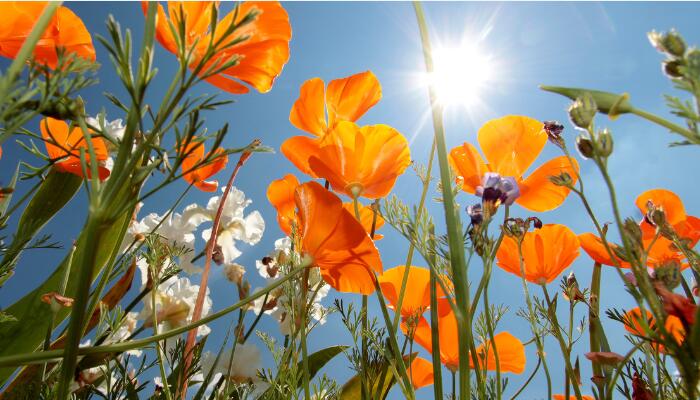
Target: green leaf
x,y
5,317
318,359
53,194
608,103
6,198
26,335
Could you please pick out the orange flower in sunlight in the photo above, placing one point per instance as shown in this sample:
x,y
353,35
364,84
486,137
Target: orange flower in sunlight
x,y
361,161
318,110
198,175
280,193
367,219
421,371
417,295
546,253
64,145
511,144
662,252
686,226
336,242
262,51
673,325
563,397
511,351
65,30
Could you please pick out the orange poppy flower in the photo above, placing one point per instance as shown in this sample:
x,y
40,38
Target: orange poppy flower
x,y
65,30
417,296
511,351
662,252
336,242
198,176
318,109
64,144
563,397
686,226
362,161
367,218
262,54
673,325
421,371
511,144
546,253
280,193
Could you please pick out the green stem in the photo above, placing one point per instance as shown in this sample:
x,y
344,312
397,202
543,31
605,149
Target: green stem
x,y
364,361
435,339
159,351
302,330
690,136
452,220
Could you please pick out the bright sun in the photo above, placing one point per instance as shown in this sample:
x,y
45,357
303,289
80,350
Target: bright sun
x,y
460,73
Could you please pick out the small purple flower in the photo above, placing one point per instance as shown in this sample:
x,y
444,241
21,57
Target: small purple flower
x,y
497,189
476,213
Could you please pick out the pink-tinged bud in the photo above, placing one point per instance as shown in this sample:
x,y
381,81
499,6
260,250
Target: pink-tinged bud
x,y
605,357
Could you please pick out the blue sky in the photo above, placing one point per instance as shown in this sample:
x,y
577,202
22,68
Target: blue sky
x,y
596,45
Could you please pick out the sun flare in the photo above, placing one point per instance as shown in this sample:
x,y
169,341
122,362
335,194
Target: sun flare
x,y
460,74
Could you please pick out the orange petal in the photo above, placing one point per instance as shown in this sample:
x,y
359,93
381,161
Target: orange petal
x,y
371,157
417,293
511,144
634,317
421,371
511,354
367,218
689,229
64,146
546,253
198,176
594,247
468,165
280,193
298,150
668,201
538,193
265,51
350,98
447,333
308,112
336,241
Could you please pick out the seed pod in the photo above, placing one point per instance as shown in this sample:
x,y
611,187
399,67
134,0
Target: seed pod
x,y
584,146
605,143
583,110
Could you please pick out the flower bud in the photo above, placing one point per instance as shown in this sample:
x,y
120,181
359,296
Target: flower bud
x,y
476,214
672,68
669,273
605,143
563,179
670,42
583,110
584,146
554,130
693,63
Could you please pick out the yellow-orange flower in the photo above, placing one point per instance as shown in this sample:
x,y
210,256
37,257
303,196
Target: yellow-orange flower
x,y
511,144
65,30
280,193
546,253
417,295
336,242
319,109
673,325
197,176
361,161
421,371
662,250
262,54
64,145
511,351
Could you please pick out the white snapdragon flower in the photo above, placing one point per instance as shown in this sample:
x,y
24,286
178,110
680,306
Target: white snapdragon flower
x,y
175,230
114,130
234,224
267,267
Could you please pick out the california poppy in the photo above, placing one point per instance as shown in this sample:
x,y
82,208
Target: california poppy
x,y
336,242
421,371
661,253
65,30
511,351
197,175
546,253
262,52
361,161
686,226
280,193
417,295
673,325
511,144
318,109
64,145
